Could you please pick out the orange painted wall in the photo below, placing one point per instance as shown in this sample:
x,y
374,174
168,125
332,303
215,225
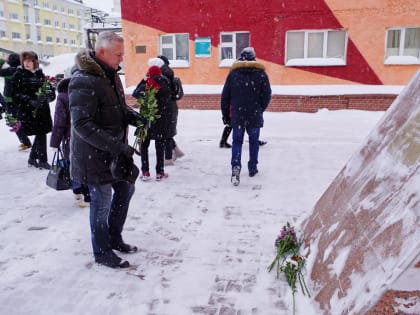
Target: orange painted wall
x,y
365,20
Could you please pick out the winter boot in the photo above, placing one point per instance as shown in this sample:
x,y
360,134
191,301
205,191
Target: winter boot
x,y
235,178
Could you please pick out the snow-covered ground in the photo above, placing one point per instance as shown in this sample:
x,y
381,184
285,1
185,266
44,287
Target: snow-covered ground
x,y
204,245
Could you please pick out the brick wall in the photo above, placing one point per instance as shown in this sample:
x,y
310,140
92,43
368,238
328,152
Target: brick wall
x,y
295,103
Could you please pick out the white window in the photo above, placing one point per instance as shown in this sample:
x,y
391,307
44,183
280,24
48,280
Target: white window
x,y
403,46
15,35
176,48
49,39
2,34
316,48
231,45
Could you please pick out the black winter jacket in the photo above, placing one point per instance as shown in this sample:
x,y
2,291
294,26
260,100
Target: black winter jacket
x,y
164,127
33,110
246,94
99,120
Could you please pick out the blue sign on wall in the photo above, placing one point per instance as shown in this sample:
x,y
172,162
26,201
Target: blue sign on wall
x,y
202,47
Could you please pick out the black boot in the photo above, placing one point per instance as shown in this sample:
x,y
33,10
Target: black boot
x,y
225,135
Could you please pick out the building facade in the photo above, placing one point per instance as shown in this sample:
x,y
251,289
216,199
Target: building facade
x,y
307,42
49,27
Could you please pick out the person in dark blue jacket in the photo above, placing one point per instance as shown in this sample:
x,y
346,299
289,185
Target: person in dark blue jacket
x,y
245,96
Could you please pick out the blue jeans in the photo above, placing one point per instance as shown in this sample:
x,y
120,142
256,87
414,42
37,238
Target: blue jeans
x,y
108,213
254,147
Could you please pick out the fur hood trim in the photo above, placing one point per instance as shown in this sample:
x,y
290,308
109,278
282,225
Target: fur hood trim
x,y
247,64
85,62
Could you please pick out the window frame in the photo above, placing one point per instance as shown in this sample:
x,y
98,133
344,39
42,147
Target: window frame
x,y
316,61
227,62
175,63
399,59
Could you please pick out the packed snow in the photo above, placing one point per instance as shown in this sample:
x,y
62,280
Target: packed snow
x,y
204,245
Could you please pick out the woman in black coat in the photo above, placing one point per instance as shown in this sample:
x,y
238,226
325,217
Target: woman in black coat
x,y
32,93
7,73
162,128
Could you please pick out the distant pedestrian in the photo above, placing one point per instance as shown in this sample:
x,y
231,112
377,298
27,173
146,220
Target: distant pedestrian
x,y
245,96
32,94
160,130
13,60
172,150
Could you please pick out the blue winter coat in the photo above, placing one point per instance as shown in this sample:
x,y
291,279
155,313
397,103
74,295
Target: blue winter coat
x,y
246,94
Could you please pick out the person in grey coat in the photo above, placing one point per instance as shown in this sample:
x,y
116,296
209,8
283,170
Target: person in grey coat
x,y
245,96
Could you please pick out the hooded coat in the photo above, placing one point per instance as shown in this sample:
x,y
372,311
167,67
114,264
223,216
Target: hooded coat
x,y
33,110
246,94
61,130
100,119
164,127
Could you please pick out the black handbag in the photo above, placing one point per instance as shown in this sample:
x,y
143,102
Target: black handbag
x,y
59,175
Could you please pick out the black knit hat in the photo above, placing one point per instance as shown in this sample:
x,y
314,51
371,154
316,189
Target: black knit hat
x,y
13,60
165,59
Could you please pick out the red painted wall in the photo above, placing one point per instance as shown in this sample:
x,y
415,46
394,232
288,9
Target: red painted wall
x,y
267,22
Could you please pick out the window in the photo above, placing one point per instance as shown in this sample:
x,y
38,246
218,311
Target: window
x,y
2,34
14,16
316,48
231,45
403,46
37,18
15,35
176,48
49,39
47,22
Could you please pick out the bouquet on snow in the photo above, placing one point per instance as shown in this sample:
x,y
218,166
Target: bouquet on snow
x,y
147,102
288,260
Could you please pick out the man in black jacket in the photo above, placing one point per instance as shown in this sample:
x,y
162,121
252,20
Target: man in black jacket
x,y
99,154
245,96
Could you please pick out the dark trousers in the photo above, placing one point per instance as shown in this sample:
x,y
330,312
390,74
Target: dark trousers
x,y
169,148
160,154
254,147
225,135
39,148
108,212
23,138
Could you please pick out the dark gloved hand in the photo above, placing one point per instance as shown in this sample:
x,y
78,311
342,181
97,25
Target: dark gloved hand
x,y
226,120
127,151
